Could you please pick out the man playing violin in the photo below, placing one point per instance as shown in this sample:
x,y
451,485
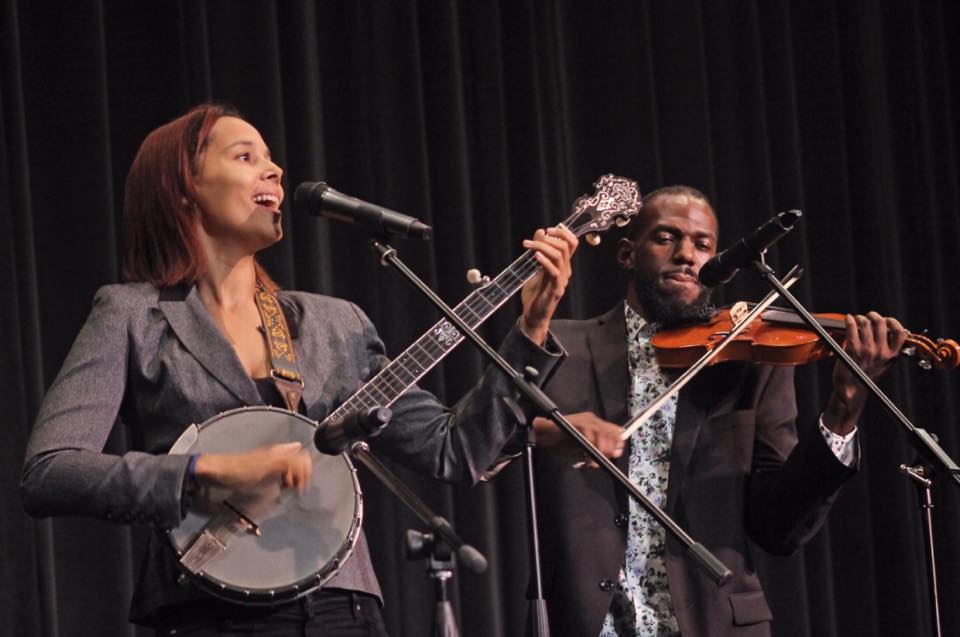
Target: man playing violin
x,y
723,458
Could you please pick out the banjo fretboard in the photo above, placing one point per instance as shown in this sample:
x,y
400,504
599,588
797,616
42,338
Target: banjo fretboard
x,y
415,361
614,202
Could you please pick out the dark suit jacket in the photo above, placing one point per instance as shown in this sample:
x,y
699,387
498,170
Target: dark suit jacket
x,y
155,361
736,469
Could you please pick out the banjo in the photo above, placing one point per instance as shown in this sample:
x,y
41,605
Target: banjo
x,y
267,545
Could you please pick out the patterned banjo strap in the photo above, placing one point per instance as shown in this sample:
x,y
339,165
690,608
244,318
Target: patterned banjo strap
x,y
283,363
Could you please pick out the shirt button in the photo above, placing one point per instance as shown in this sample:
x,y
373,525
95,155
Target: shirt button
x,y
621,519
606,585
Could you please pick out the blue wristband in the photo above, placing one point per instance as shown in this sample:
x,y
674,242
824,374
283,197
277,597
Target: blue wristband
x,y
192,471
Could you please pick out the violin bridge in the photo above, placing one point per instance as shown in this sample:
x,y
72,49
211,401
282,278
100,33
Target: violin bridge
x,y
739,311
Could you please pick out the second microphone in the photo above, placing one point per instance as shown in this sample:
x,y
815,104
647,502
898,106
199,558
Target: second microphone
x,y
724,265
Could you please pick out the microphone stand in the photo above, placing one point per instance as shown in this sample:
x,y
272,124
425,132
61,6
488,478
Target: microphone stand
x,y
922,476
538,621
930,452
712,566
925,444
437,546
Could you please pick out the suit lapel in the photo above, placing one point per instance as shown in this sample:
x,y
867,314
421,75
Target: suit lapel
x,y
186,314
607,342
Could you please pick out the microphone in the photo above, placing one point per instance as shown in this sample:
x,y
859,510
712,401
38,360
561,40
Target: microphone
x,y
723,266
333,438
319,199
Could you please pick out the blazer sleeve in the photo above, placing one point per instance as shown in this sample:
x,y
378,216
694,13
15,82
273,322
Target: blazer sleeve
x,y
458,444
794,481
66,472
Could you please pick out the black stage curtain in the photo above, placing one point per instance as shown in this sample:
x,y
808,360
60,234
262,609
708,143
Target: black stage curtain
x,y
487,119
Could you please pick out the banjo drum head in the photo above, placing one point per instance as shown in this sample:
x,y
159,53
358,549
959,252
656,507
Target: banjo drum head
x,y
303,538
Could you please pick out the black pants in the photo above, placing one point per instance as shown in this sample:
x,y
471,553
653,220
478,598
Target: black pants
x,y
327,613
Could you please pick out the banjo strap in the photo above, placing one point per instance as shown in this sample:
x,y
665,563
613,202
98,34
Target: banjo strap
x,y
283,362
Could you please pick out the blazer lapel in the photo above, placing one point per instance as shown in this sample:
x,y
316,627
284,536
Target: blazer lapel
x,y
186,314
607,342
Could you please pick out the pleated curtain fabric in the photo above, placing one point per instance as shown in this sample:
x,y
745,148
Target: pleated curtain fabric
x,y
486,120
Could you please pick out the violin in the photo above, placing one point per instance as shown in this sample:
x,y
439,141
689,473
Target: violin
x,y
779,337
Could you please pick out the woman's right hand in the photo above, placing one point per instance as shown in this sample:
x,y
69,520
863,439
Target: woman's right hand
x,y
287,463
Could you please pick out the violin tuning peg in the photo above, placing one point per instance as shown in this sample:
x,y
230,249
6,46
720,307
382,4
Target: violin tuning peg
x,y
621,221
592,238
910,351
925,364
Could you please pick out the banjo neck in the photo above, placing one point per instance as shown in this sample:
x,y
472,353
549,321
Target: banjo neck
x,y
424,354
615,200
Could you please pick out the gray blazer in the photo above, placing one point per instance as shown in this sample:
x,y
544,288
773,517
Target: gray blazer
x,y
155,361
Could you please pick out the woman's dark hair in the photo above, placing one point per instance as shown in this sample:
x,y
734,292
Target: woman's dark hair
x,y
160,204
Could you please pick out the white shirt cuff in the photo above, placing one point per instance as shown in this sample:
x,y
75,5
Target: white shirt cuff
x,y
843,447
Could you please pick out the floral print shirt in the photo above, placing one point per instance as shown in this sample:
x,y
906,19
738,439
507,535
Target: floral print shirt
x,y
641,602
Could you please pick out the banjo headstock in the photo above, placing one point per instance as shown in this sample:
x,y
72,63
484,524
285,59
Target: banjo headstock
x,y
615,200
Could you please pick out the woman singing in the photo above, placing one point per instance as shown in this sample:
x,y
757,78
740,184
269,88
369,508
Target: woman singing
x,y
184,340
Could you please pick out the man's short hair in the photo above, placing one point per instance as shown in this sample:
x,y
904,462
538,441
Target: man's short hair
x,y
665,191
679,189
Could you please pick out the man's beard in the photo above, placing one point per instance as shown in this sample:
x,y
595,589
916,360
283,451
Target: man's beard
x,y
668,310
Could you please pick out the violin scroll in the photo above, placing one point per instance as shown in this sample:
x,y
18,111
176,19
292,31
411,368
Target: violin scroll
x,y
942,354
